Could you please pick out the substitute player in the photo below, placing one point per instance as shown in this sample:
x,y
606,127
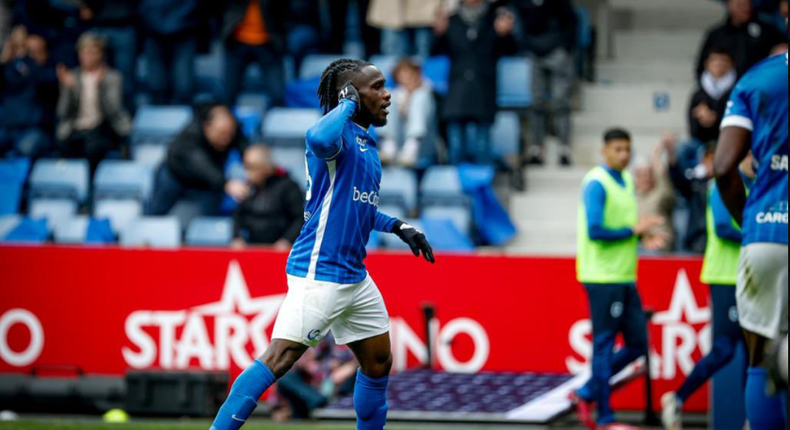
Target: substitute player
x,y
608,241
720,272
328,285
757,120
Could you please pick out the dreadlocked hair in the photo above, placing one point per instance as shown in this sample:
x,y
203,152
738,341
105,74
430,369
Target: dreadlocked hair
x,y
337,74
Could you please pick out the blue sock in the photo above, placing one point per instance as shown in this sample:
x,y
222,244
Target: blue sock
x,y
764,412
243,397
370,402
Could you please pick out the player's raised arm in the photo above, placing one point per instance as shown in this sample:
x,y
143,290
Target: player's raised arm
x,y
324,138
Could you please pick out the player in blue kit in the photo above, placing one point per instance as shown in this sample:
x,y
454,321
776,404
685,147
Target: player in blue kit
x,y
757,120
328,285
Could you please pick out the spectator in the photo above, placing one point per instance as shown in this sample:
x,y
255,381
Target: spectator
x,y
710,101
406,26
338,15
28,95
748,40
92,117
656,199
692,185
303,29
474,37
171,33
412,121
115,20
548,36
253,30
195,166
321,375
273,213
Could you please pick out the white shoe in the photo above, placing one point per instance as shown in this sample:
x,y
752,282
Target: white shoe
x,y
672,415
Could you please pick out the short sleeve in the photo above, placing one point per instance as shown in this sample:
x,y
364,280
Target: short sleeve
x,y
739,112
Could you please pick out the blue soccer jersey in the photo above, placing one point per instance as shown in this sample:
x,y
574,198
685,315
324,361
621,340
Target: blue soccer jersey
x,y
343,182
759,103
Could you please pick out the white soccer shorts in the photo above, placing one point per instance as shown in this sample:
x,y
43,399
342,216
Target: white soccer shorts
x,y
311,309
762,289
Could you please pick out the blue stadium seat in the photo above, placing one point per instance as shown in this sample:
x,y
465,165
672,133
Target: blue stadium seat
x,y
514,75
292,160
116,179
149,154
10,198
72,231
506,134
251,120
386,63
210,232
159,124
28,231
209,72
460,216
437,70
260,102
395,211
155,232
374,242
120,213
288,127
60,179
8,224
399,187
444,235
54,211
14,170
313,66
441,185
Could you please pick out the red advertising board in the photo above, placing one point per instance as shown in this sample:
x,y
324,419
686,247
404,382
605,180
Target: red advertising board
x,y
107,310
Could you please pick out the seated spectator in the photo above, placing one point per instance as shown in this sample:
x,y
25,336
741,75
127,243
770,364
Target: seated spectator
x,y
253,31
171,31
474,38
28,95
548,35
273,213
406,26
412,121
747,39
195,166
93,120
692,185
322,374
656,198
709,103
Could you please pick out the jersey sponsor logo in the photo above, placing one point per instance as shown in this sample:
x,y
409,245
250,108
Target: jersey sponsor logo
x,y
370,198
772,218
314,335
363,144
779,163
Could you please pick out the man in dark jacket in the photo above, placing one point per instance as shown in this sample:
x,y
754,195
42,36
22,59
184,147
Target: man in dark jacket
x,y
28,96
171,30
474,38
253,31
273,214
195,165
710,102
748,39
548,36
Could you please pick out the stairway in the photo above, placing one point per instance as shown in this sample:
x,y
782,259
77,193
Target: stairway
x,y
645,88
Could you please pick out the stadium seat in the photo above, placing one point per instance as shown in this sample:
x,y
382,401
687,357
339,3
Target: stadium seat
x,y
444,235
28,230
120,213
258,101
513,83
116,179
209,72
399,187
292,160
8,224
460,216
60,179
10,198
313,66
14,170
159,124
288,127
506,134
374,242
251,120
395,211
441,185
156,232
149,154
386,63
54,211
437,70
210,232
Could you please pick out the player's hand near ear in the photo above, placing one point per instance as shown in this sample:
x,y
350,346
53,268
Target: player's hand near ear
x,y
415,239
349,92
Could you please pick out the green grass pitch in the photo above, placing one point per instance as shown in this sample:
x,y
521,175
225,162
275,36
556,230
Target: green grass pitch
x,y
174,425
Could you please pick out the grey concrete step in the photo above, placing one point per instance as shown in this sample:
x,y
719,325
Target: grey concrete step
x,y
650,45
644,72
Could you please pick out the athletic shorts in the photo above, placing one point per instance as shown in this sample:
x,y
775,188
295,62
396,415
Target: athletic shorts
x,y
762,289
311,309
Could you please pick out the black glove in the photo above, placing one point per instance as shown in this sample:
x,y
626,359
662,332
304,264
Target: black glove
x,y
415,239
349,92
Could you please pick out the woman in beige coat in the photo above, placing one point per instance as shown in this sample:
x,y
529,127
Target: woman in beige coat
x,y
406,25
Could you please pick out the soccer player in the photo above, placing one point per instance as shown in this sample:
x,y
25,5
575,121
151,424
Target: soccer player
x,y
757,120
720,271
608,241
328,285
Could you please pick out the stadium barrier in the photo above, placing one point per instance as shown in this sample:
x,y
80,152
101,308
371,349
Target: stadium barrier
x,y
110,310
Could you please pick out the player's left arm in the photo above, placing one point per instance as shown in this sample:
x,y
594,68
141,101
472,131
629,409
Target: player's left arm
x,y
735,143
408,234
